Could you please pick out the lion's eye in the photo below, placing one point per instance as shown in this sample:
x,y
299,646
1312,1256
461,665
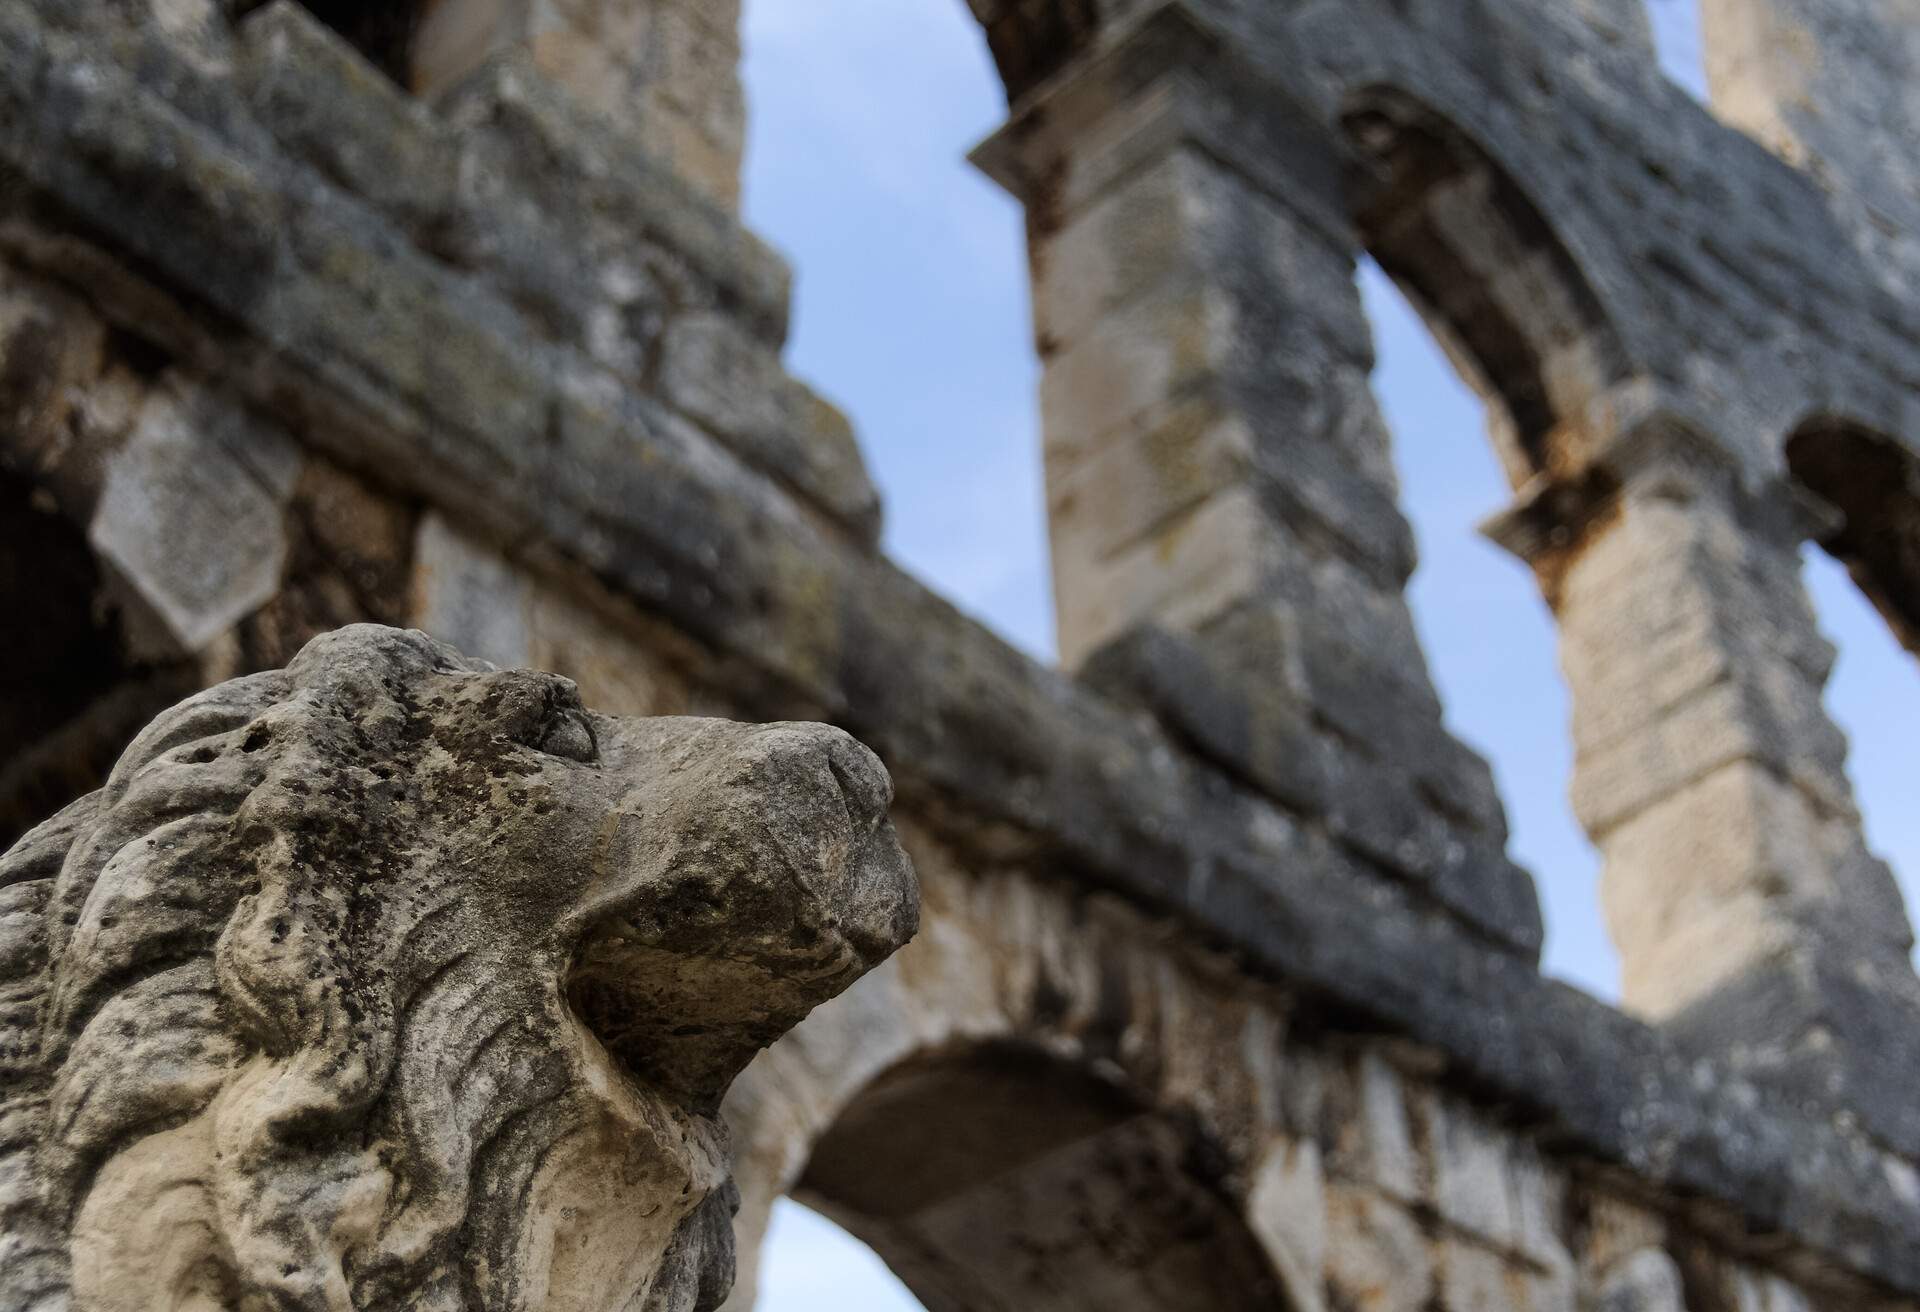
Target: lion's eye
x,y
569,735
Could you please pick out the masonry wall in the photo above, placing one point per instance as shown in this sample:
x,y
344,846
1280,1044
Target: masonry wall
x,y
285,347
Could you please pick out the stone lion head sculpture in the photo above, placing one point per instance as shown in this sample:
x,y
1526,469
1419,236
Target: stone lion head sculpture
x,y
392,980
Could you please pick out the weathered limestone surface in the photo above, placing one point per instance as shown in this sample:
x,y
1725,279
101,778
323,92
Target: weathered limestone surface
x,y
1217,468
1224,930
1218,472
1827,85
1061,1082
395,980
667,70
1751,917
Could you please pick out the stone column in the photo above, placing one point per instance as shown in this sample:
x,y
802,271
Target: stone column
x,y
666,71
1217,468
1749,914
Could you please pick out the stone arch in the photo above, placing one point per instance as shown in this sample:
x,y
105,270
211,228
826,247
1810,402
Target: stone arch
x,y
1871,483
1036,1069
1033,39
1034,1183
1497,284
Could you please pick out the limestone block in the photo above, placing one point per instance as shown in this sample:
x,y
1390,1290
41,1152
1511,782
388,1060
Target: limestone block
x,y
1468,1163
1539,1187
1744,836
1106,492
1330,526
1666,967
665,73
1286,1209
192,513
1346,608
350,559
1134,360
1740,830
1132,239
1669,569
709,164
1615,1230
1729,722
1241,717
336,110
1378,1260
1809,79
1476,1279
1372,1143
422,992
1383,709
1381,812
1313,480
1291,286
1645,1281
615,667
716,373
468,595
1188,571
1243,694
691,63
1756,1291
1488,1181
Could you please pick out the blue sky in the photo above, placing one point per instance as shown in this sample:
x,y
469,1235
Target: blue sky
x,y
912,314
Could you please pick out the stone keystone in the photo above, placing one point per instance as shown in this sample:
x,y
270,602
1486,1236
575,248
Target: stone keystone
x,y
393,980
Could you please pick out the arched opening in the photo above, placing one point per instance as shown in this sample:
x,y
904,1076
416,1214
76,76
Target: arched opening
x,y
1873,483
809,1264
1482,320
72,691
1458,233
1874,698
1488,636
1000,1178
1865,584
911,301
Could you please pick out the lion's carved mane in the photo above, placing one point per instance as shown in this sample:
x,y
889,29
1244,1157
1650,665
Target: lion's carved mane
x,y
391,980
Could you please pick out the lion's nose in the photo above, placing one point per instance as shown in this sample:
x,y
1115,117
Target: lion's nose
x,y
754,876
863,780
870,889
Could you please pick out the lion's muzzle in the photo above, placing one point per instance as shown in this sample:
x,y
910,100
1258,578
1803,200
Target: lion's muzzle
x,y
755,876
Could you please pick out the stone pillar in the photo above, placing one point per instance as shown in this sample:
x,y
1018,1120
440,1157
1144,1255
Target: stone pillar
x,y
667,71
1216,465
1210,439
1748,911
